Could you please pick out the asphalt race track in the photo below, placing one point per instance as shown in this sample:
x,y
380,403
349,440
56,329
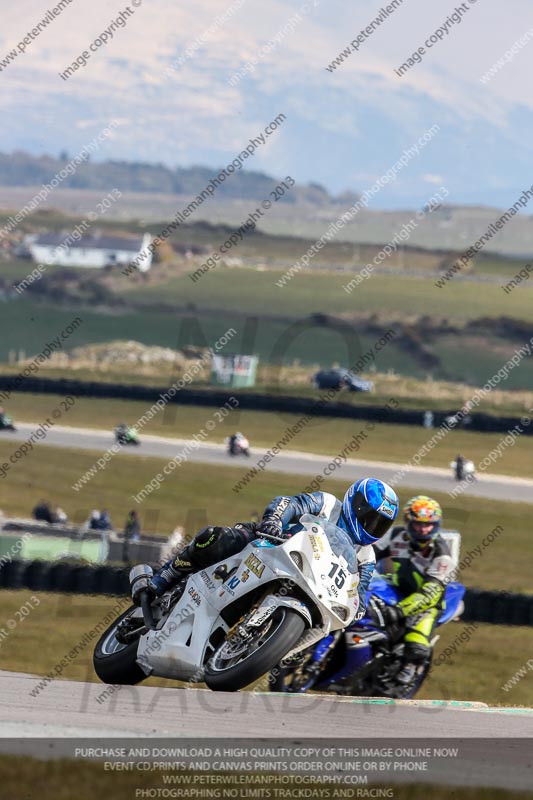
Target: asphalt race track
x,y
289,461
68,709
495,742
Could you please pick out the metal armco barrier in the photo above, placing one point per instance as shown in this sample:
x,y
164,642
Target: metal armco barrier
x,y
147,549
258,402
495,608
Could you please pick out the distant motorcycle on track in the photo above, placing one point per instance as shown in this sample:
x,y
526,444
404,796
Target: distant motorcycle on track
x,y
463,469
6,423
238,445
126,435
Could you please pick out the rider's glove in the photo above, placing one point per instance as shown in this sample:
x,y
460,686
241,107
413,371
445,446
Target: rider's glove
x,y
383,614
393,615
252,527
272,526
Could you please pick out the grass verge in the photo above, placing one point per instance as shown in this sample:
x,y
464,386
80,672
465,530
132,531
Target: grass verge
x,y
195,495
327,435
481,666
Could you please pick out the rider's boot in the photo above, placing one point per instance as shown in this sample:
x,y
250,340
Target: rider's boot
x,y
171,573
415,656
407,673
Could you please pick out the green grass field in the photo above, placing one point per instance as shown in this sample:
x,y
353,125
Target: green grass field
x,y
66,618
306,294
159,303
176,312
29,325
188,498
397,443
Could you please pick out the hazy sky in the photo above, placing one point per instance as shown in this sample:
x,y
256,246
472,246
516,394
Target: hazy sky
x,y
343,129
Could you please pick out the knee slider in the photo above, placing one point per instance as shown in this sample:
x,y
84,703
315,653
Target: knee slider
x,y
208,536
209,546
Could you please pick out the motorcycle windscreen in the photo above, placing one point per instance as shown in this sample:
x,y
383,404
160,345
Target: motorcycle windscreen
x,y
379,587
452,599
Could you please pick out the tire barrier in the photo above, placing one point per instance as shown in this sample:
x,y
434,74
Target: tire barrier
x,y
60,577
498,608
65,577
495,608
12,575
259,402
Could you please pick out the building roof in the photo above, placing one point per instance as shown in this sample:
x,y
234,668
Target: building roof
x,y
90,242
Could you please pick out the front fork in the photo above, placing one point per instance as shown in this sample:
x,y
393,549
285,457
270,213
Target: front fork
x,y
322,652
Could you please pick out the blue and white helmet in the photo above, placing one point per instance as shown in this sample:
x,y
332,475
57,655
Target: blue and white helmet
x,y
369,508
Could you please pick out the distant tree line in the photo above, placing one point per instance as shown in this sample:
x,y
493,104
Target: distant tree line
x,y
22,169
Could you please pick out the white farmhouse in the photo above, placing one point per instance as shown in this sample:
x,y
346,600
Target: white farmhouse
x,y
94,251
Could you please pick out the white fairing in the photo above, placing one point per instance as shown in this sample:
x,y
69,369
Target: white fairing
x,y
469,468
324,575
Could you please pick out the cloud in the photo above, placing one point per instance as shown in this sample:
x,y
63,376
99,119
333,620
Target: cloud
x,y
341,125
436,179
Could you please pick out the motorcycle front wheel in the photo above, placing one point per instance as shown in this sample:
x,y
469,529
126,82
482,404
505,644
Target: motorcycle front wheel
x,y
237,662
116,662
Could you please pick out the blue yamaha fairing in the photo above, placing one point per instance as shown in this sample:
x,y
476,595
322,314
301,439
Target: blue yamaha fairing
x,y
379,587
366,632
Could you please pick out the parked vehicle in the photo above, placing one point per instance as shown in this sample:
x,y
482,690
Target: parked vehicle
x,y
341,379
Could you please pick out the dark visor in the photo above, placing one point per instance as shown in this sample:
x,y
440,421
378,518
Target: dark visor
x,y
372,521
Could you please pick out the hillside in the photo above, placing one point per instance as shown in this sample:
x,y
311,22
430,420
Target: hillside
x,y
20,169
462,332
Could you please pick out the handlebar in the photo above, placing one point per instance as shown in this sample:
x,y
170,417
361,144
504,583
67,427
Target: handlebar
x,y
279,539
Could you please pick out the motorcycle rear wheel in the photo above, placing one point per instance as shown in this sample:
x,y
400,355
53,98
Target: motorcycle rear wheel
x,y
279,634
284,679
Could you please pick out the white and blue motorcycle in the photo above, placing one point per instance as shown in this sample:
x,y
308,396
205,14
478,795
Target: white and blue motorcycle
x,y
231,623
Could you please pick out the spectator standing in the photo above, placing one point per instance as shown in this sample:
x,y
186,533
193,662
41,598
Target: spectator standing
x,y
105,523
43,512
59,516
94,520
132,533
